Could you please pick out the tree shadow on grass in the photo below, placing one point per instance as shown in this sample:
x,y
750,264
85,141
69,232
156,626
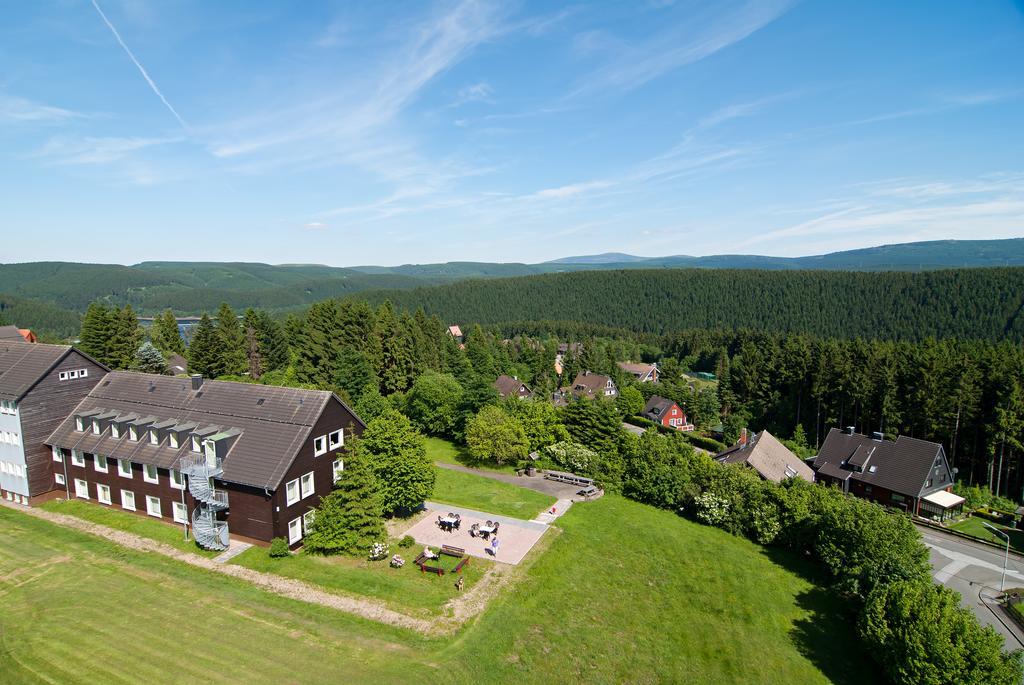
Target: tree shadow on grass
x,y
827,635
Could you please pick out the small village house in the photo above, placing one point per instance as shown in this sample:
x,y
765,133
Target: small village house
x,y
510,386
906,473
765,454
645,373
667,413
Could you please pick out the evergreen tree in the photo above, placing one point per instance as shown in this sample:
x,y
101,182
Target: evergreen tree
x,y
630,402
231,342
253,347
398,456
165,335
97,332
272,341
126,336
353,372
371,403
350,519
395,360
148,359
204,356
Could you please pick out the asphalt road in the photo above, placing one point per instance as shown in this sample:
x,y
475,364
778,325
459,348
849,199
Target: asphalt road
x,y
974,571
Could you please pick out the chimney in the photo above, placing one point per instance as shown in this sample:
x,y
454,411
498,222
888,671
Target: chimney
x,y
197,381
743,437
849,430
877,436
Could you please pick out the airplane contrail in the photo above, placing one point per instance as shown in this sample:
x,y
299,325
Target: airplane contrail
x,y
142,69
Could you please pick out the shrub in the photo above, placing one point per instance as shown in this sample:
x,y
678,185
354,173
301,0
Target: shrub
x,y
572,457
704,443
279,548
711,508
378,551
406,541
397,561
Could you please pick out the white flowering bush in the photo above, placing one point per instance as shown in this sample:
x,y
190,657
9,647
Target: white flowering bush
x,y
378,551
570,456
764,523
711,508
397,561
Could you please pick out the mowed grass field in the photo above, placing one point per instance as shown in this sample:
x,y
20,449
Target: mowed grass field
x,y
625,593
447,452
488,495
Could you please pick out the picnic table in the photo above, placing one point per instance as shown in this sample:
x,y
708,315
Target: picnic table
x,y
570,478
448,519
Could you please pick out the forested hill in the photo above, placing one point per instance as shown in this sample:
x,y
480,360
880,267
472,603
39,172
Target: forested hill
x,y
963,303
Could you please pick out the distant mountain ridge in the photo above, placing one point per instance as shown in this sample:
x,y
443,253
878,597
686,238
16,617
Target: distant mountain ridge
x,y
194,287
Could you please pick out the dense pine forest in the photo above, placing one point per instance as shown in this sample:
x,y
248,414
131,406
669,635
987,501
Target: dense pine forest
x,y
963,304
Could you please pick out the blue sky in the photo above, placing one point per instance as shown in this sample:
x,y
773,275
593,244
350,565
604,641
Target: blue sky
x,y
388,133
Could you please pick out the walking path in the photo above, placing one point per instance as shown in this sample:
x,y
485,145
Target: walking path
x,y
464,607
538,483
547,517
235,548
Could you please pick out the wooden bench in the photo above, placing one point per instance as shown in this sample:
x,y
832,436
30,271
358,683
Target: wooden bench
x,y
420,559
432,569
461,564
570,478
457,552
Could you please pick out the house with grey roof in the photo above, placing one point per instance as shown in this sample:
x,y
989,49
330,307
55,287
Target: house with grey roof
x,y
645,373
39,385
765,454
222,459
906,473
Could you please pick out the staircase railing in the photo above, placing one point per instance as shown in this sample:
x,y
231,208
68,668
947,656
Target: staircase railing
x,y
209,532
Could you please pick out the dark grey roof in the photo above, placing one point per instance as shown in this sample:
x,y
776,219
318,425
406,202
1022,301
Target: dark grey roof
x,y
902,466
656,407
271,432
23,364
11,333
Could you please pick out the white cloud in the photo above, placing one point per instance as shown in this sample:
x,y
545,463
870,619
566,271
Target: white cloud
x,y
632,65
572,189
316,226
478,92
95,150
15,110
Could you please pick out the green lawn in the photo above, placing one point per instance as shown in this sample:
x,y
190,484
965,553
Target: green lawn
x,y
156,529
404,589
973,526
447,452
488,495
625,593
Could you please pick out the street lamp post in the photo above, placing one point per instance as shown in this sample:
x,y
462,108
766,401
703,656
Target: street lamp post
x,y
1006,555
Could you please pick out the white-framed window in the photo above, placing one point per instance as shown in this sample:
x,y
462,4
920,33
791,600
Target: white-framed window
x,y
124,468
77,459
81,488
320,445
307,520
15,439
79,424
294,530
103,493
82,373
153,506
196,445
150,473
57,455
96,427
338,466
99,463
128,500
307,485
335,439
177,482
291,492
63,375
133,433
154,438
59,478
172,440
73,374
115,430
179,512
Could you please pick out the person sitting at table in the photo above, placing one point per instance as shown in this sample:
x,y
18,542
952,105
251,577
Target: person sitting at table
x,y
428,553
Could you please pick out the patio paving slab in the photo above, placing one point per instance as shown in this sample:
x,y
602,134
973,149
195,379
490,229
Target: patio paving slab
x,y
516,537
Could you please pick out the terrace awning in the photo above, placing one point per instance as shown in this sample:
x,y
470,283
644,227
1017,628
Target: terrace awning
x,y
946,500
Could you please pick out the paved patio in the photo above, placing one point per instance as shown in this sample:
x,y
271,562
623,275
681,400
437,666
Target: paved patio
x,y
516,537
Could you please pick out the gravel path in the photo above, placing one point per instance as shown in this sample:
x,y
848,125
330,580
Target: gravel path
x,y
463,608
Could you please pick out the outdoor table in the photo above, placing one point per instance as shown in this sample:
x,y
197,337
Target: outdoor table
x,y
487,529
448,520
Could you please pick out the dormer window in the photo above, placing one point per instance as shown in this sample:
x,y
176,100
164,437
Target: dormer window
x,y
115,430
196,447
133,433
172,440
154,438
210,449
95,427
79,424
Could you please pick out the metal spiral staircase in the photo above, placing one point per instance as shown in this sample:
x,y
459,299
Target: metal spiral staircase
x,y
208,531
